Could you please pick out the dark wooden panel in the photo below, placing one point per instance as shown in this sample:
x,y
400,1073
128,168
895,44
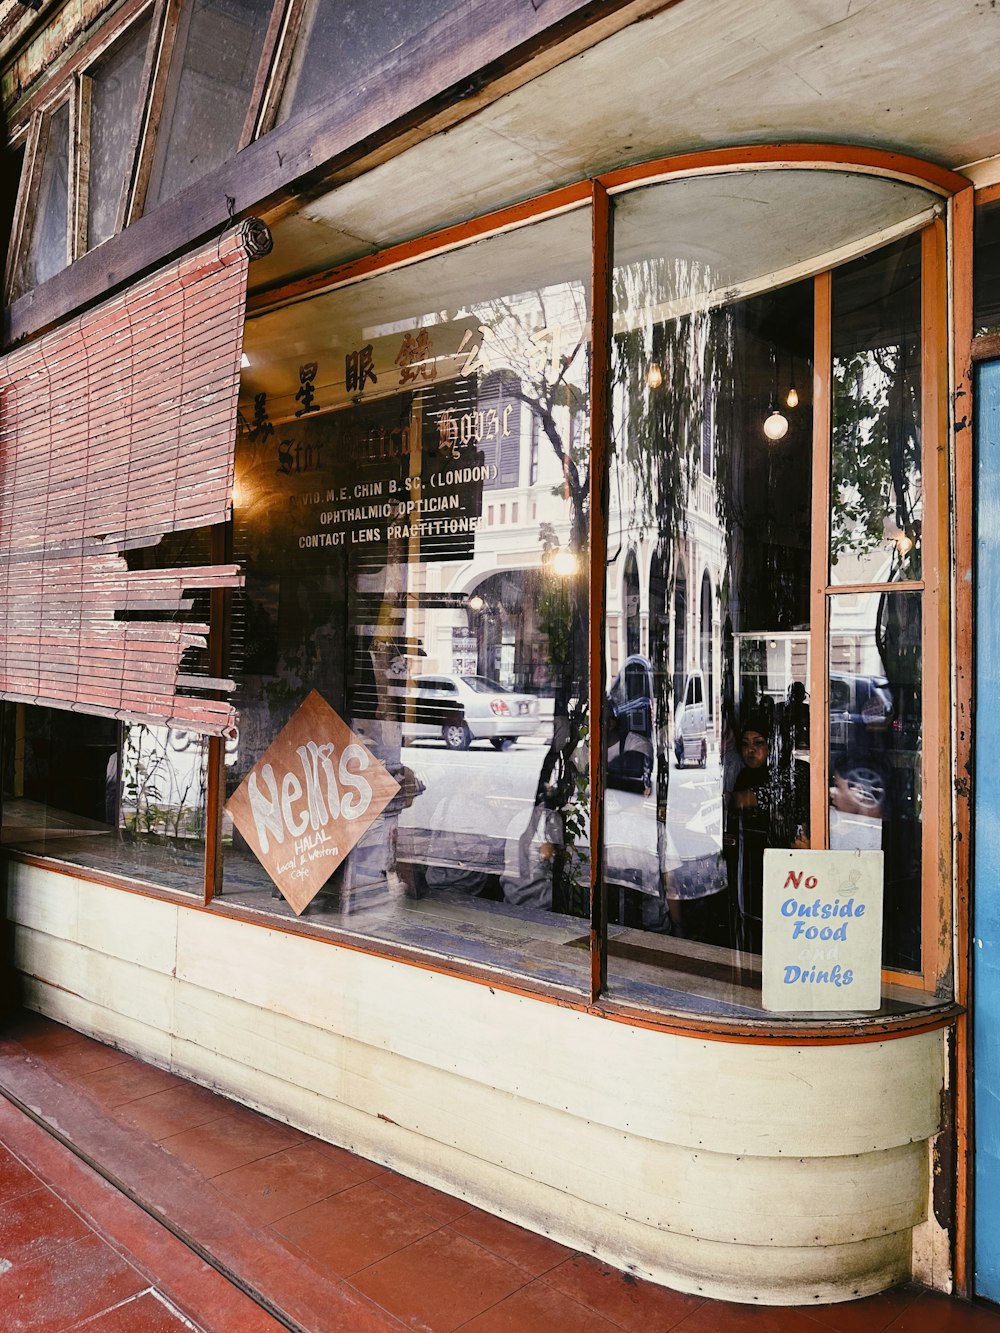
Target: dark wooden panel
x,y
459,68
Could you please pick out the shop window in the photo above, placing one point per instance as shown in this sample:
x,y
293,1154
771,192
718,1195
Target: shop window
x,y
217,51
684,870
457,655
768,561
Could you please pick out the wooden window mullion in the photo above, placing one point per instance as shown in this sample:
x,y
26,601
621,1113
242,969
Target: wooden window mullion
x,y
600,390
156,74
819,675
271,69
80,167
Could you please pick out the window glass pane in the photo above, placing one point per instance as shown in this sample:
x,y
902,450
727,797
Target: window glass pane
x,y
114,110
45,251
986,269
707,757
126,798
374,419
341,43
876,492
212,76
875,751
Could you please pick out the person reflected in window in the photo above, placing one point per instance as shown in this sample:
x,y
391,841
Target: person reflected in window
x,y
748,824
766,806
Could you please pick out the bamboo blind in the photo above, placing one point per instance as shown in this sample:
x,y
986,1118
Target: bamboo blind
x,y
114,429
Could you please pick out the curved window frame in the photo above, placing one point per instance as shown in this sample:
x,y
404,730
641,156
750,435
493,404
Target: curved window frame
x,y
947,622
946,286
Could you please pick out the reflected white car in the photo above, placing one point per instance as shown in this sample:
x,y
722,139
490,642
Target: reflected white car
x,y
463,709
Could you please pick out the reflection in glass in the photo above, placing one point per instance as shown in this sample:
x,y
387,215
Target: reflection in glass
x,y
876,489
212,74
875,751
115,103
46,251
707,716
449,631
704,766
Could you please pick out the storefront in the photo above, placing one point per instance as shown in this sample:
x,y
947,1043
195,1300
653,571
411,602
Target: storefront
x,y
468,622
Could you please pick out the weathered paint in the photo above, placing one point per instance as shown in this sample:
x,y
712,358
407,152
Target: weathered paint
x,y
748,1172
986,920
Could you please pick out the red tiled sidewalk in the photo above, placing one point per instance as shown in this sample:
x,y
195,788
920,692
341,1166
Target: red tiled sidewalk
x,y
75,1254
325,1239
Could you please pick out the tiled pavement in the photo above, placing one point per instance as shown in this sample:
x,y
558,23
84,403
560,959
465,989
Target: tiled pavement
x,y
194,1212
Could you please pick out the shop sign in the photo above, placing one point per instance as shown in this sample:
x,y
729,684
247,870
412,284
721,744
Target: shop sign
x,y
822,930
309,799
404,473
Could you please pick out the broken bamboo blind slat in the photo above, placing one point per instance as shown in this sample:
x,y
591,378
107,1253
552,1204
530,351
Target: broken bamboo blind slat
x,y
115,429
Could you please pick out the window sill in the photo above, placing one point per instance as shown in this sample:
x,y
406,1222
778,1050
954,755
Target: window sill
x,y
550,961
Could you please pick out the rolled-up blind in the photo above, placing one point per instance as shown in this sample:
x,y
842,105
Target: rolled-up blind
x,y
115,429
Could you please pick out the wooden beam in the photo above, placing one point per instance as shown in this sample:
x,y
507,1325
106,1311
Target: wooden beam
x,y
447,79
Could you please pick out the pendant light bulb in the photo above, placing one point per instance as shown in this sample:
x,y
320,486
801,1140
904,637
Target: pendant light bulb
x,y
776,427
792,397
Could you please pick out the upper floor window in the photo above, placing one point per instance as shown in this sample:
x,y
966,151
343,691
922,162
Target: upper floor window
x,y
212,75
175,93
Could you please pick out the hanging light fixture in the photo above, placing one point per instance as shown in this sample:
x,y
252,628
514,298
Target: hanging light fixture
x,y
654,376
775,425
792,397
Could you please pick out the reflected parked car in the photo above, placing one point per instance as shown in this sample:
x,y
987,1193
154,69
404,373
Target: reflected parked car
x,y
861,713
691,724
629,727
463,709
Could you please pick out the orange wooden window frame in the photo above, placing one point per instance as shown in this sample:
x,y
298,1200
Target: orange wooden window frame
x,y
952,607
599,192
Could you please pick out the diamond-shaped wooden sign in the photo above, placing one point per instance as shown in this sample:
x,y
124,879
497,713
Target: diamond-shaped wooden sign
x,y
309,799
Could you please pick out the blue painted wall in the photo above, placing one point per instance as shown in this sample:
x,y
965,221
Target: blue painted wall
x,y
986,921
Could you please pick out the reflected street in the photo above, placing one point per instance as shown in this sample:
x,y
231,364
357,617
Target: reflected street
x,y
477,802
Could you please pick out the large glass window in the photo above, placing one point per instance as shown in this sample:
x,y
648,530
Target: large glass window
x,y
718,454
375,419
412,510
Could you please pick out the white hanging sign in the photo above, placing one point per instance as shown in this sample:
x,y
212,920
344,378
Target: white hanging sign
x,y
822,947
